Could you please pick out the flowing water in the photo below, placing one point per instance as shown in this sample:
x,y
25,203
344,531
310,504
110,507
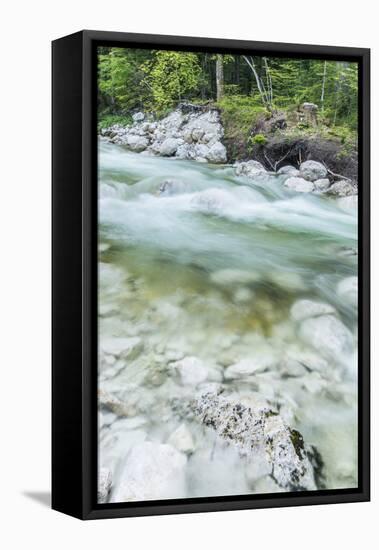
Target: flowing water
x,y
208,265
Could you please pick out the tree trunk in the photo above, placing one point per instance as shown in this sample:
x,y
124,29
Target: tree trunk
x,y
323,88
219,77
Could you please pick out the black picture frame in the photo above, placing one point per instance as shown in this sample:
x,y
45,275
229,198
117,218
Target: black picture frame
x,y
74,273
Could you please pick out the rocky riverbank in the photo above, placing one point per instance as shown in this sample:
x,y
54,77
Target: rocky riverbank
x,y
193,132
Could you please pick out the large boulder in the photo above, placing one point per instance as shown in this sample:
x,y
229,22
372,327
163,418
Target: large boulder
x,y
151,472
343,188
299,184
288,171
328,335
169,146
137,143
191,371
321,184
259,433
312,170
217,153
250,168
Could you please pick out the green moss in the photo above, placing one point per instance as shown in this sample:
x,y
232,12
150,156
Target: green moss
x,y
297,442
258,139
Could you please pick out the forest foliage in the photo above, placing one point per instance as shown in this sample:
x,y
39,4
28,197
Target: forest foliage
x,y
243,87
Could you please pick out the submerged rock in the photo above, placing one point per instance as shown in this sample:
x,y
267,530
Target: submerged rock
x,y
114,404
303,309
127,348
260,433
247,367
191,370
312,170
328,335
348,290
151,471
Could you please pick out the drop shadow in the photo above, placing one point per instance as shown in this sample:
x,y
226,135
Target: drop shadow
x,y
41,497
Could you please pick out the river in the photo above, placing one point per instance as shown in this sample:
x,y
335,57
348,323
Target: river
x,y
198,263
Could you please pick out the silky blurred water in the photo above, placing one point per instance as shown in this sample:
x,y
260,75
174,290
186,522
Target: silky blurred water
x,y
213,264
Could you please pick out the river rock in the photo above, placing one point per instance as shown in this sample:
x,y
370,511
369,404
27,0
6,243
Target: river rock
x,y
127,348
328,335
303,309
321,184
110,276
151,472
138,117
246,367
185,152
182,440
250,430
169,146
288,171
111,402
137,143
347,289
217,153
200,151
191,370
343,188
312,170
172,187
104,484
250,169
299,184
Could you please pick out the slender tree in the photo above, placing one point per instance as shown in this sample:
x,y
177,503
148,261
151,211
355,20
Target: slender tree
x,y
219,77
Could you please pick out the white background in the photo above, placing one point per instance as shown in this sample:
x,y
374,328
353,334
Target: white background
x,y
27,29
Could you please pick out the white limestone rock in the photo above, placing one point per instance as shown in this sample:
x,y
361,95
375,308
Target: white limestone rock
x,y
151,471
312,170
104,484
191,371
328,335
298,184
250,168
246,367
303,309
347,289
182,440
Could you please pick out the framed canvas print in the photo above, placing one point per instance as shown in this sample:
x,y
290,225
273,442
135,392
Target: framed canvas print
x,y
210,274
